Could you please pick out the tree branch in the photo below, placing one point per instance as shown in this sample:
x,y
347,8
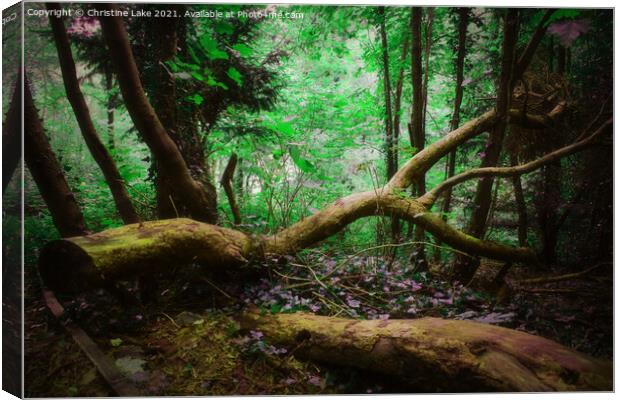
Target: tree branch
x,y
225,181
430,197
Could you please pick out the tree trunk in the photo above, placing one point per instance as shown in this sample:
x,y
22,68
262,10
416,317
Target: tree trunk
x,y
458,99
48,174
417,121
82,114
521,206
226,182
434,354
391,157
12,134
465,268
200,202
111,105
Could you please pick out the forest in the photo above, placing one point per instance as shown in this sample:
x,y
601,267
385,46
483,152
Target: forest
x,y
272,199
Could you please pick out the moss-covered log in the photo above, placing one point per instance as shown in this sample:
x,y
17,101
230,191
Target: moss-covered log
x,y
78,263
83,262
435,354
138,249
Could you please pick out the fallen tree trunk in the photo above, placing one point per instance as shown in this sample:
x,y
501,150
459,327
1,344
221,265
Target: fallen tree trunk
x,y
88,261
435,354
83,262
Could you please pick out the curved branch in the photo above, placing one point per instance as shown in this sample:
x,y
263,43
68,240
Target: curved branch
x,y
530,49
225,181
431,196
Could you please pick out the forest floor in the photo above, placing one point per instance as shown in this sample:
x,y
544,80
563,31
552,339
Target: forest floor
x,y
187,343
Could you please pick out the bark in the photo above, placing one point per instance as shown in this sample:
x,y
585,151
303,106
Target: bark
x,y
12,134
200,202
226,182
521,206
427,57
387,92
417,116
82,114
111,105
528,53
391,158
47,173
458,99
434,354
465,268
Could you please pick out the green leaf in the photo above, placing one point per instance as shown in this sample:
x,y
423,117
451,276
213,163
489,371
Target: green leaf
x,y
283,127
277,154
224,28
302,163
116,342
197,76
235,75
566,13
212,82
244,50
210,46
196,99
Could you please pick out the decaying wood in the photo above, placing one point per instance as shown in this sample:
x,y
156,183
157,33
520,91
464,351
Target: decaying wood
x,y
558,278
436,354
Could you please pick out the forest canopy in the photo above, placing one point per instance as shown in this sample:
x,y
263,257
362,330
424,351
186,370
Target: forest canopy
x,y
318,186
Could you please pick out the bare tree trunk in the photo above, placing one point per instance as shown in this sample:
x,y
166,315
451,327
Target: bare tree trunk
x,y
391,161
465,268
12,134
200,201
226,182
48,174
111,105
417,120
427,58
82,115
456,112
521,207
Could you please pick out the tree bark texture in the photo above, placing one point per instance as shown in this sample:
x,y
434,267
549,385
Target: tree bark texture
x,y
436,354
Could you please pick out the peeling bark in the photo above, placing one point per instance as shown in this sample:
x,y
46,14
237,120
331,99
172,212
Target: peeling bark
x,y
435,354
